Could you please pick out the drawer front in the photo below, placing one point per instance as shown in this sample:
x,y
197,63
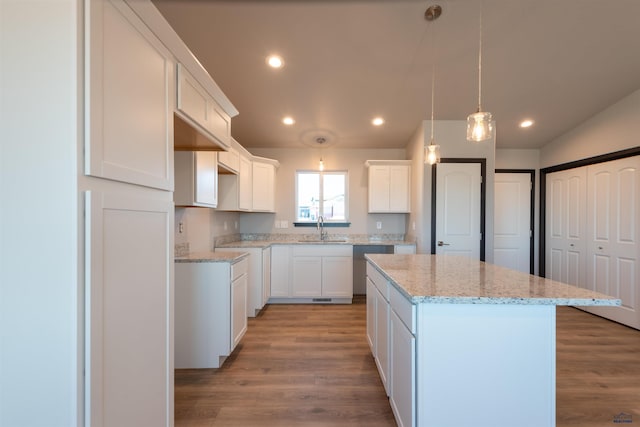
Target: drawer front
x,y
405,310
239,268
322,250
379,281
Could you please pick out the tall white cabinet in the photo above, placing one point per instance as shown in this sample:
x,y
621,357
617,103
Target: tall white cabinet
x,y
130,99
592,233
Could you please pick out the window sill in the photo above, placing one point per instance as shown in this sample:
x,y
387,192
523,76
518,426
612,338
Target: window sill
x,y
325,225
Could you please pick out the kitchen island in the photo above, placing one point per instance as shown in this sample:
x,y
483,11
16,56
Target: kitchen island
x,y
459,342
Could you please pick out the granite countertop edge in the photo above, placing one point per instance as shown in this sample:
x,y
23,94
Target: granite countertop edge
x,y
494,300
230,257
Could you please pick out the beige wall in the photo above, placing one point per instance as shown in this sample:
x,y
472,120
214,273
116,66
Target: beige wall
x,y
351,160
615,128
200,226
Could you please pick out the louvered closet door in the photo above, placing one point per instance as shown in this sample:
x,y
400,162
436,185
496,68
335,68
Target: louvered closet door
x,y
614,217
566,207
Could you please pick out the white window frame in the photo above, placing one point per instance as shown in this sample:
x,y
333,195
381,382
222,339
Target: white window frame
x,y
345,173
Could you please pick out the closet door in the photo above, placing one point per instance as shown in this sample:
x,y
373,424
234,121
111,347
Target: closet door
x,y
566,224
613,215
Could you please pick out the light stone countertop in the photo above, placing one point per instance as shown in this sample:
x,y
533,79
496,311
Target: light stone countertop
x,y
230,257
311,241
461,280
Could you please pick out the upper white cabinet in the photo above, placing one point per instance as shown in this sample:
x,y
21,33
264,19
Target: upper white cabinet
x,y
264,184
229,161
199,109
196,175
130,98
389,186
253,188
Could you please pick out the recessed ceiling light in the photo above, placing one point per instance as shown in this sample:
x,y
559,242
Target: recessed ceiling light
x,y
378,121
526,123
275,61
288,121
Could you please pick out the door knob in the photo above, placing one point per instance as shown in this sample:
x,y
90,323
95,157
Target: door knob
x,y
441,243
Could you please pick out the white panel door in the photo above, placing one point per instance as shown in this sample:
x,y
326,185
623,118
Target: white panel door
x,y
512,223
129,312
613,213
566,223
458,209
307,276
337,276
130,99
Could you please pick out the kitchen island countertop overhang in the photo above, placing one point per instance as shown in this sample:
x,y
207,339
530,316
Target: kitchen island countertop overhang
x,y
460,280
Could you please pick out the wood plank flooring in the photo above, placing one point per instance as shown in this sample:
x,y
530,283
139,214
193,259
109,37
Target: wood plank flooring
x,y
310,365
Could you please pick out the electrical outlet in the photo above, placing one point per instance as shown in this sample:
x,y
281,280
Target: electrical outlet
x,y
180,227
413,226
277,224
224,225
379,225
284,224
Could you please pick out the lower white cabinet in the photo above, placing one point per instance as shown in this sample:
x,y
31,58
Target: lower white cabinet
x,y
402,386
210,311
311,273
259,288
128,314
392,342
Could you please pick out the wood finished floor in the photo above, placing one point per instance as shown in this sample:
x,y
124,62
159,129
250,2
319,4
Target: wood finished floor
x,y
310,365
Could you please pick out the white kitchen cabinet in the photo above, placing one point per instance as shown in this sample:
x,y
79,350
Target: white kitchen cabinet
x,y
245,185
371,316
389,186
259,285
379,318
263,184
130,99
229,161
198,108
280,271
235,191
404,249
196,179
211,311
307,276
316,273
129,356
402,386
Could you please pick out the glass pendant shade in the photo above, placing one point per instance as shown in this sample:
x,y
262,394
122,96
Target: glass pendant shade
x,y
432,154
321,165
479,126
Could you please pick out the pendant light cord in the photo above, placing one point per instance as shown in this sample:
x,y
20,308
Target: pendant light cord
x,y
480,63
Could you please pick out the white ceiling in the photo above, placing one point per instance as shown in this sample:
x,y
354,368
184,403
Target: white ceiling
x,y
556,61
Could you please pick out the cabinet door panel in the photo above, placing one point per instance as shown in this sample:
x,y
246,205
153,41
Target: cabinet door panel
x,y
245,185
130,99
379,188
382,339
307,276
129,252
280,271
238,309
263,187
337,277
402,373
371,315
206,178
399,181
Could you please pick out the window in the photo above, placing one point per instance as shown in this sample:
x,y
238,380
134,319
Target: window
x,y
321,193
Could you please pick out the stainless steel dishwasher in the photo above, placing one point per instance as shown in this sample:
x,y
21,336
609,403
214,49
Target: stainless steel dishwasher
x,y
360,264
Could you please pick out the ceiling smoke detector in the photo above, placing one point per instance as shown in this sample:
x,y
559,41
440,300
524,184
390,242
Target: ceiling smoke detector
x,y
320,140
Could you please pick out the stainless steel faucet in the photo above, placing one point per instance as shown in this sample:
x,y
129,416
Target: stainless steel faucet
x,y
320,227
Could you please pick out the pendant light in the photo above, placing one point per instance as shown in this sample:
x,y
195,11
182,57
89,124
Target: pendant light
x,y
480,123
432,151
